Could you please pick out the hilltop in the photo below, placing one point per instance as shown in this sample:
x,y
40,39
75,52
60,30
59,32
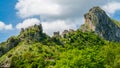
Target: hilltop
x,y
97,20
94,45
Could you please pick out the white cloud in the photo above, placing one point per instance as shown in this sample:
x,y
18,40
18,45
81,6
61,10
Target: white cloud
x,y
58,14
4,26
48,27
58,9
28,8
58,25
112,7
28,22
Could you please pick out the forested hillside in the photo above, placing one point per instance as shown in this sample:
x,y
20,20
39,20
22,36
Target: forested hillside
x,y
82,48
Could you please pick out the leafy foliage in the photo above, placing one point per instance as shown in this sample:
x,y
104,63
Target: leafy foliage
x,y
33,49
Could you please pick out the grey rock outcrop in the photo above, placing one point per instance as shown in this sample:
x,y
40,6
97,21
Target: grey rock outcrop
x,y
97,20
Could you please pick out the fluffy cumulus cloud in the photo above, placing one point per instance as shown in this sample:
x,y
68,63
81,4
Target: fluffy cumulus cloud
x,y
112,7
4,26
56,8
58,25
48,27
60,14
28,8
28,22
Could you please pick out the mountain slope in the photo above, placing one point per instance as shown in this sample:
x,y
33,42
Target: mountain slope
x,y
87,47
44,56
28,35
97,20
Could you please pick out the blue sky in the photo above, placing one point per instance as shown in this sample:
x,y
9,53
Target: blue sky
x,y
8,15
117,15
8,12
53,14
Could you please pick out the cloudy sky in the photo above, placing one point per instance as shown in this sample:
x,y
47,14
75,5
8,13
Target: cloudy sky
x,y
55,15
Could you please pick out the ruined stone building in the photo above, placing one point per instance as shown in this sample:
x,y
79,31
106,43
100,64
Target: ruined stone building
x,y
64,33
56,34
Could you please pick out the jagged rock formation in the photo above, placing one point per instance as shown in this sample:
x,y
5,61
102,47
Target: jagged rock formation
x,y
97,20
32,33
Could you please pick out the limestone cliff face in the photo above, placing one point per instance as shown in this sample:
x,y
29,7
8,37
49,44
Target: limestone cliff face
x,y
97,20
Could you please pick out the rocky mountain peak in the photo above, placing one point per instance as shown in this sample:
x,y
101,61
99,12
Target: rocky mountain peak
x,y
32,33
97,20
96,9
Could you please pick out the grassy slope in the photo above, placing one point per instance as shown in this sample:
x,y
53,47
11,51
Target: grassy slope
x,y
16,50
116,22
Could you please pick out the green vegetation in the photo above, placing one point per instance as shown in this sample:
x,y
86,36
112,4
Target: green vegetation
x,y
34,49
116,22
